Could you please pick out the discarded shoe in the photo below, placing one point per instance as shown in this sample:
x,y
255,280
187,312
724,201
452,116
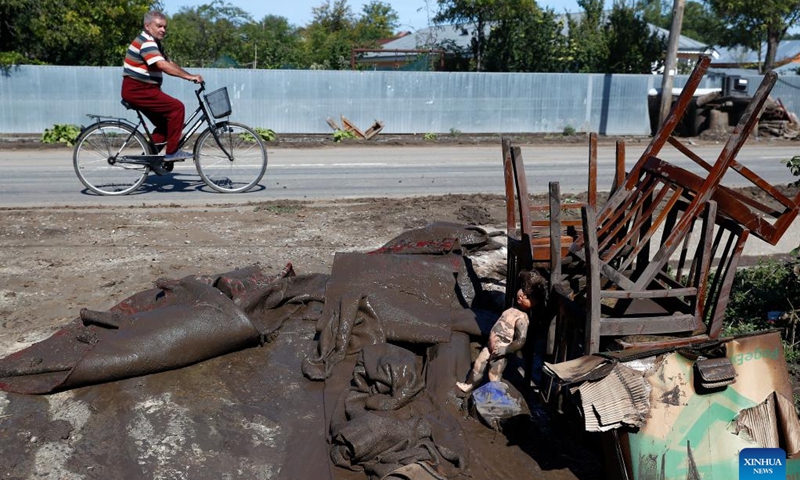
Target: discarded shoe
x,y
179,155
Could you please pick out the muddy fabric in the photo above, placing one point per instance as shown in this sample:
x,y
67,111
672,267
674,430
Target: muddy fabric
x,y
421,247
248,414
447,363
389,374
233,284
300,297
470,237
414,471
178,323
372,299
382,422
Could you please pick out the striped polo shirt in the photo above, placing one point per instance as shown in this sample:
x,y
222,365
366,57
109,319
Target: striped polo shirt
x,y
141,57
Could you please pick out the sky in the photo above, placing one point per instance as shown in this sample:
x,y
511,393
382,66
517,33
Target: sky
x,y
413,14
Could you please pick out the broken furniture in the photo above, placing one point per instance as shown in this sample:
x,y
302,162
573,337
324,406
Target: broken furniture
x,y
349,126
528,235
638,271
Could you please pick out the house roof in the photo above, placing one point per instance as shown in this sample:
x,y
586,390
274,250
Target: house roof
x,y
686,44
787,50
461,36
424,39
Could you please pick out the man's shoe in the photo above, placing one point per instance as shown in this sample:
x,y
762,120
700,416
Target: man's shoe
x,y
179,155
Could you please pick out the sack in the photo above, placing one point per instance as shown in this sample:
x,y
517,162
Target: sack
x,y
713,374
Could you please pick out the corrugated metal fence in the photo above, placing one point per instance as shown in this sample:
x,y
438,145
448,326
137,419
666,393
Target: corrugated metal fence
x,y
299,101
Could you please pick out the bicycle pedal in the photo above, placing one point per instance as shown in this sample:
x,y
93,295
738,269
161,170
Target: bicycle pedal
x,y
157,165
159,169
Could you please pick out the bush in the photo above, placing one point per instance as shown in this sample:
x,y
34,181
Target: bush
x,y
569,130
793,164
266,134
430,136
61,133
340,135
764,297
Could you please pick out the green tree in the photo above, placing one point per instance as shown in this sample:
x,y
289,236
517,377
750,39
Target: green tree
x,y
587,45
71,32
751,22
478,15
632,46
201,36
530,41
378,20
270,43
328,39
699,21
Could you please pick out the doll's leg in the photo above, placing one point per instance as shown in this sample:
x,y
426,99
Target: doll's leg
x,y
476,374
496,368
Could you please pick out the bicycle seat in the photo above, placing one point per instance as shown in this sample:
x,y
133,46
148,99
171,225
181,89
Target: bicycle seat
x,y
127,105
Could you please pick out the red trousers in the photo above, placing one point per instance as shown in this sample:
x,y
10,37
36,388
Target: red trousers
x,y
166,113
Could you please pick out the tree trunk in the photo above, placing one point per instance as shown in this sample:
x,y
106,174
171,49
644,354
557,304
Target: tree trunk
x,y
773,39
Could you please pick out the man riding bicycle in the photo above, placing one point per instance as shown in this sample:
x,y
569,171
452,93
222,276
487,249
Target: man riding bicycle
x,y
141,84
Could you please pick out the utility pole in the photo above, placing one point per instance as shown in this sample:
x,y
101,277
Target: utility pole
x,y
670,63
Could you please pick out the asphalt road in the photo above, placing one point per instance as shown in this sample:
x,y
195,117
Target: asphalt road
x,y
46,177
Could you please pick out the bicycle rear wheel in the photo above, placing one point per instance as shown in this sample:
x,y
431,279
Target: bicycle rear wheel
x,y
234,164
96,156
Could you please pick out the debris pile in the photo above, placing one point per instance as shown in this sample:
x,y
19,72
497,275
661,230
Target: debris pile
x,y
639,289
776,120
348,126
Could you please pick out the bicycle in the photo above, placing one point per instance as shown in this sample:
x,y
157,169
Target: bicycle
x,y
113,156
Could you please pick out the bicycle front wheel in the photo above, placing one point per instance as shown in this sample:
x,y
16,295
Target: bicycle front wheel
x,y
232,161
98,154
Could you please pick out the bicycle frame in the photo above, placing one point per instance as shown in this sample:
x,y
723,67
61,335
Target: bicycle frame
x,y
200,114
194,122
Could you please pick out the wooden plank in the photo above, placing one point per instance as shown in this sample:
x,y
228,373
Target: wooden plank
x,y
666,293
750,175
701,279
592,186
508,176
647,325
521,183
619,166
763,184
723,295
555,233
593,320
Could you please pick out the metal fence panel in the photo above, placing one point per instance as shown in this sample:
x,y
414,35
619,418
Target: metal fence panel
x,y
299,101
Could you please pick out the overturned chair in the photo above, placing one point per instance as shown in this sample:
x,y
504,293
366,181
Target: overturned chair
x,y
653,266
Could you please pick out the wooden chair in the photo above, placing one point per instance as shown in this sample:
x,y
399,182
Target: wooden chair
x,y
630,291
529,235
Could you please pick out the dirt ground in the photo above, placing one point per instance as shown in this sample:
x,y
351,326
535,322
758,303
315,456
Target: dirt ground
x,y
59,260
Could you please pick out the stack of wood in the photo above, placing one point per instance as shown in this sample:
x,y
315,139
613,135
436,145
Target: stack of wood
x,y
778,121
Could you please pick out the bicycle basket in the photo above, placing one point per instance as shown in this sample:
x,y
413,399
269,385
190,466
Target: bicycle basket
x,y
219,103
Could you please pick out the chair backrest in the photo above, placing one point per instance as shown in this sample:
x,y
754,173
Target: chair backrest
x,y
659,206
648,186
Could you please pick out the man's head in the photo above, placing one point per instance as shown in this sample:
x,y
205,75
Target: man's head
x,y
533,290
155,24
